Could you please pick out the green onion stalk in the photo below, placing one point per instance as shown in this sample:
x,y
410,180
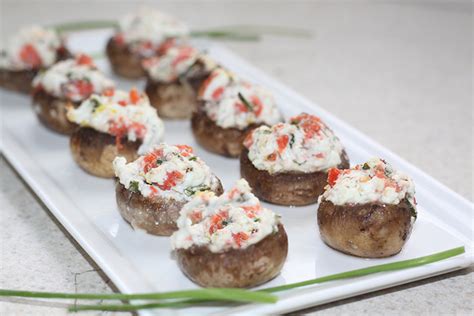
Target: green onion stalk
x,y
235,32
187,298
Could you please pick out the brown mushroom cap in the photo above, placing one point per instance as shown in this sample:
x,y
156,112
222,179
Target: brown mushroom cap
x,y
17,80
52,112
177,99
174,100
123,61
21,80
366,230
216,139
286,188
157,215
95,151
241,268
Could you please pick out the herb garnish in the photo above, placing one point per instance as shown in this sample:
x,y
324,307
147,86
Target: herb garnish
x,y
190,191
247,104
366,166
292,140
193,158
133,186
189,298
95,104
413,211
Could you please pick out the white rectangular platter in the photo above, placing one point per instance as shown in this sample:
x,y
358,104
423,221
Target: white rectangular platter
x,y
137,262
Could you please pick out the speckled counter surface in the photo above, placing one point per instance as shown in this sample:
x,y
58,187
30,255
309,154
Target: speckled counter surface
x,y
400,72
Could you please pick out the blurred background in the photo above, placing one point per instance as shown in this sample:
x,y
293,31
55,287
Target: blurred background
x,y
399,71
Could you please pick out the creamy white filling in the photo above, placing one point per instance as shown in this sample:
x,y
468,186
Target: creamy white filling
x,y
174,62
119,116
28,47
170,172
372,182
304,144
234,220
150,25
72,80
233,103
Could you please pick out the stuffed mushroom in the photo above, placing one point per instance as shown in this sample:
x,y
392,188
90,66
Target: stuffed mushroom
x,y
287,163
230,240
228,109
65,85
367,211
141,34
173,79
151,190
32,49
113,124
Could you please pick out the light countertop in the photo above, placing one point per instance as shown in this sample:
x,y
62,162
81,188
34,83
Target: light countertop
x,y
398,71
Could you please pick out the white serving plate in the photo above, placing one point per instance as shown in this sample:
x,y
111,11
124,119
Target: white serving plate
x,y
137,262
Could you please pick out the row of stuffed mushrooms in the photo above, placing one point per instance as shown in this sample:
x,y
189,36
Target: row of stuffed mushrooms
x,y
222,239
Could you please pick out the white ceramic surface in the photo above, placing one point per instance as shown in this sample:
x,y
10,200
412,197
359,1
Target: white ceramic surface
x,y
137,262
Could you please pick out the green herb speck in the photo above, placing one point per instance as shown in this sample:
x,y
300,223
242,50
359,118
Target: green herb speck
x,y
133,186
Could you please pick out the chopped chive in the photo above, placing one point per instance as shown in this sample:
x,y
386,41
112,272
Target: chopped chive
x,y
133,186
247,104
292,140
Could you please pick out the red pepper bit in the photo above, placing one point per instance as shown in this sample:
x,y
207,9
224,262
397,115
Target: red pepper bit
x,y
82,87
272,157
311,124
282,142
150,160
217,221
29,55
216,95
109,92
154,190
252,210
119,130
232,193
185,150
240,107
248,141
333,174
139,129
206,83
258,105
134,96
83,59
195,216
184,53
239,238
171,180
165,46
119,39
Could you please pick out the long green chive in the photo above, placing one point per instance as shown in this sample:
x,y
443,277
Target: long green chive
x,y
211,294
133,307
265,29
226,35
231,32
197,297
84,25
399,265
